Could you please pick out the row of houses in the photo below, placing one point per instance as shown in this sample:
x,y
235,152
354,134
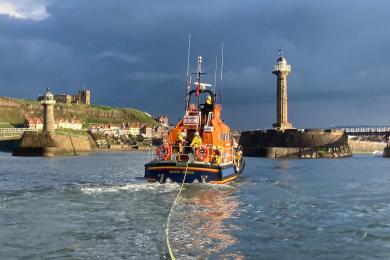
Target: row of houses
x,y
143,130
133,129
129,129
163,120
37,123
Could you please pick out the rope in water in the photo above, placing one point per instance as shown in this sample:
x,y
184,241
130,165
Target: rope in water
x,y
170,214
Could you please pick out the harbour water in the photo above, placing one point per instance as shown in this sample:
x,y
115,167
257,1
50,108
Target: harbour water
x,y
99,207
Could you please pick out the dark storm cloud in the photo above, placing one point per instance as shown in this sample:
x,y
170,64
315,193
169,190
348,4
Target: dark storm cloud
x,y
133,53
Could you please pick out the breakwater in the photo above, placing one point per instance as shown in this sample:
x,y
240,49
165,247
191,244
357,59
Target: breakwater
x,y
295,143
47,144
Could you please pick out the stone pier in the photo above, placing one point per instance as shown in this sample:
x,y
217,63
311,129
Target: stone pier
x,y
283,141
47,143
294,143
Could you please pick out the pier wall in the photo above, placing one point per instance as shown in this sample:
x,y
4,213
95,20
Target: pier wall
x,y
386,152
46,144
366,146
9,144
294,143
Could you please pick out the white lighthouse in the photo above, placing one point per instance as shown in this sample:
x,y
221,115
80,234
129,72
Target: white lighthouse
x,y
48,103
281,70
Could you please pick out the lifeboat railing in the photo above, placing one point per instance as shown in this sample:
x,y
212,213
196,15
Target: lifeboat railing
x,y
214,155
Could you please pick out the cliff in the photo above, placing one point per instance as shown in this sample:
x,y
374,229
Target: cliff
x,y
14,111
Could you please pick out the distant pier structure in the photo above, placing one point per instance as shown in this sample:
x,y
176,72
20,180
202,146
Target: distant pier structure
x,y
366,130
47,143
284,141
281,70
48,103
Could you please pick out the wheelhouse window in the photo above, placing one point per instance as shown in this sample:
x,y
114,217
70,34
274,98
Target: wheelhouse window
x,y
224,136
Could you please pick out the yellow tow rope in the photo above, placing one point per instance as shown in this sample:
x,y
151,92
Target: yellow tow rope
x,y
170,214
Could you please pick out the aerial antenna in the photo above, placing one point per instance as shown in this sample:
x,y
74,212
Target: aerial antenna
x,y
220,85
215,74
188,78
280,53
188,56
198,75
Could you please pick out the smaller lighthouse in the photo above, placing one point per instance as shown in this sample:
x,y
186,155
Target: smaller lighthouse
x,y
48,112
281,70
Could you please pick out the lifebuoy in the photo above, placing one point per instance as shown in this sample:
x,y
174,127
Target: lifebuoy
x,y
163,152
201,153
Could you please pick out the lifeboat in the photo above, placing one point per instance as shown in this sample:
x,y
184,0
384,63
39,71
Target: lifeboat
x,y
201,147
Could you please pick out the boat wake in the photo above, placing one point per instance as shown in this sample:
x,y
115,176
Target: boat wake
x,y
210,186
131,187
377,153
153,187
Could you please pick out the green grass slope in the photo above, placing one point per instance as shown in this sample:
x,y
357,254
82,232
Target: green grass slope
x,y
13,112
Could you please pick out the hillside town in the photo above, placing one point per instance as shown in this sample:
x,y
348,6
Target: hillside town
x,y
130,134
129,129
37,123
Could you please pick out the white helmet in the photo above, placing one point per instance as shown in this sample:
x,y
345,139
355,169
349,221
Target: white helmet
x,y
196,133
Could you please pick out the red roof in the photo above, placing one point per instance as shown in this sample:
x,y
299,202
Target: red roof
x,y
34,120
39,120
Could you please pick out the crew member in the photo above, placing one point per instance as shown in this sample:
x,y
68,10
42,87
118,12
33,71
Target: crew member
x,y
216,155
208,107
238,155
209,101
196,141
181,139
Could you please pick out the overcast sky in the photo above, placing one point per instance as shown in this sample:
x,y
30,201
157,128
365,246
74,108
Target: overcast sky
x,y
134,54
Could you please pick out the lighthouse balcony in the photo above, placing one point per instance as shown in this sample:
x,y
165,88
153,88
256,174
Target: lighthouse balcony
x,y
282,67
48,102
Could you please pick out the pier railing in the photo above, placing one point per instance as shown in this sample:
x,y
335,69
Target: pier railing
x,y
362,130
15,132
